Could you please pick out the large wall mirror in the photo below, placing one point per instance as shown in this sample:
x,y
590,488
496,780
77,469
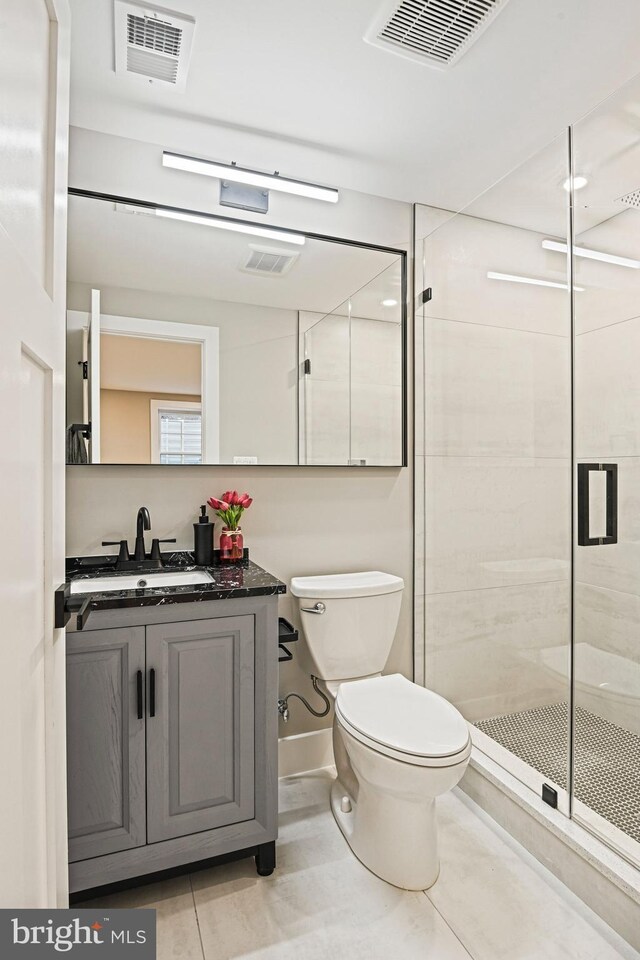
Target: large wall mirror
x,y
190,344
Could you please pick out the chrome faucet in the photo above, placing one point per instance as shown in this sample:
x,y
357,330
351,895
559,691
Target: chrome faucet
x,y
143,523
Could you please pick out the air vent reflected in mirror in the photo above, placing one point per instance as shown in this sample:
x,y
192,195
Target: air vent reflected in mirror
x,y
269,261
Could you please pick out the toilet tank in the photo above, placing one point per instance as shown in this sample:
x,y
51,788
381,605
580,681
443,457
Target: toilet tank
x,y
351,634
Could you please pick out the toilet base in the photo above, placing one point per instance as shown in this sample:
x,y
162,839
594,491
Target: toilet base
x,y
395,839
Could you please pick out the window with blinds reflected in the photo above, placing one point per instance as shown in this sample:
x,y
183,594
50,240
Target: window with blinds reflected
x,y
179,434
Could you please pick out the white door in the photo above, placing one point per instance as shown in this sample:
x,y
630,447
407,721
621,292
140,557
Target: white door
x,y
34,36
94,375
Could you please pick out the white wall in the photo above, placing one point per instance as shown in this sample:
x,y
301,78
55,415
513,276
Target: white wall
x,y
132,168
296,525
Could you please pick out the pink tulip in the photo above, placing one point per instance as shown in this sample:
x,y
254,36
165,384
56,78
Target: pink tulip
x,y
218,504
245,501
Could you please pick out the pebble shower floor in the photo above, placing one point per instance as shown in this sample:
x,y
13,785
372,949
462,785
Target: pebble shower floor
x,y
606,757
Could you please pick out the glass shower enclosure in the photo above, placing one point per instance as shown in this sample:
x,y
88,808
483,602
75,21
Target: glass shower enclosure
x,y
350,399
528,468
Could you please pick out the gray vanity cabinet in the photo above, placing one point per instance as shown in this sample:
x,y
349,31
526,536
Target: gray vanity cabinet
x,y
106,742
200,729
196,775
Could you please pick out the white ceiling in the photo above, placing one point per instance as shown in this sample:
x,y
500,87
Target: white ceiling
x,y
606,150
291,85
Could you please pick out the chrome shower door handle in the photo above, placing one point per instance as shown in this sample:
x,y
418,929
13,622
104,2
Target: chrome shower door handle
x,y
318,608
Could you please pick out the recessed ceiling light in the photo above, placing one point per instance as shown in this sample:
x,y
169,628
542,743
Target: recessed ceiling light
x,y
513,278
253,178
561,247
389,303
579,181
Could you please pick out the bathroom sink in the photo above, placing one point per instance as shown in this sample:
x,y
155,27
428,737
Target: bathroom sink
x,y
138,581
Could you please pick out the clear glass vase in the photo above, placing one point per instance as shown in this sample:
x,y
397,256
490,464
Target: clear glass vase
x,y
231,545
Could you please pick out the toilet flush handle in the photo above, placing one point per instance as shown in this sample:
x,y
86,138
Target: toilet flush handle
x,y
318,608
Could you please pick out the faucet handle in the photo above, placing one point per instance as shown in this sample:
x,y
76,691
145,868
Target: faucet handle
x,y
124,548
155,546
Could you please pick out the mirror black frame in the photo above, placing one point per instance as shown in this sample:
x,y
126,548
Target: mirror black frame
x,y
402,254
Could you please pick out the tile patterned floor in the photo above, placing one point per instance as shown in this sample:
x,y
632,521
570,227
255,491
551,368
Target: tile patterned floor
x,y
492,901
607,758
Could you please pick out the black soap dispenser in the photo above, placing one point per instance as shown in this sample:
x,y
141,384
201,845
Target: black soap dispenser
x,y
203,539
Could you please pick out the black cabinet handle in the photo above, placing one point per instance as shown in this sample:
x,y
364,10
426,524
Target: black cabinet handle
x,y
139,693
152,692
611,535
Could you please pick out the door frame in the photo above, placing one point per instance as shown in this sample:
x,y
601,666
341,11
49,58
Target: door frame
x,y
209,340
55,651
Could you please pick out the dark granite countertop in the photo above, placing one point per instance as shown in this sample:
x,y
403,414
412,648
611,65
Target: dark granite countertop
x,y
243,578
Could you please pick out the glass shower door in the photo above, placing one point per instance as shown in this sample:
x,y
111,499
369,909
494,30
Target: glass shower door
x,y
606,265
494,455
325,395
528,468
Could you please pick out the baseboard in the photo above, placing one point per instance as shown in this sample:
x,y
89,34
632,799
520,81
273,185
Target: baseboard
x,y
306,751
607,883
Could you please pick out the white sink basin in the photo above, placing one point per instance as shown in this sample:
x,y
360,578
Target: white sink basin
x,y
138,581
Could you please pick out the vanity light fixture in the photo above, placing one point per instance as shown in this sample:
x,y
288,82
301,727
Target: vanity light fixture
x,y
512,278
252,178
236,225
389,303
561,247
579,181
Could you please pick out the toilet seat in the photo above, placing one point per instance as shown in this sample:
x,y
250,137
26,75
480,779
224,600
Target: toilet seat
x,y
399,719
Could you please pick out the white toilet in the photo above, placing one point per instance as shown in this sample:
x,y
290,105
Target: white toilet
x,y
397,746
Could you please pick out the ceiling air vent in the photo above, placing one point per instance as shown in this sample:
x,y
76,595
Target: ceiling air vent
x,y
152,43
269,261
434,32
630,199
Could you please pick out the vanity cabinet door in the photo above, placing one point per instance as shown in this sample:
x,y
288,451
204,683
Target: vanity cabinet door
x,y
200,740
105,741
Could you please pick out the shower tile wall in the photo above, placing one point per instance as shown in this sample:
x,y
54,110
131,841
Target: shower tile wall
x,y
493,463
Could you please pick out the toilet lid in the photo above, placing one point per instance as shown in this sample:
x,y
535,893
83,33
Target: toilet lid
x,y
398,714
344,585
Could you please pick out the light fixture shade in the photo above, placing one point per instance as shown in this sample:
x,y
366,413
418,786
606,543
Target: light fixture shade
x,y
514,278
560,247
237,226
267,181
